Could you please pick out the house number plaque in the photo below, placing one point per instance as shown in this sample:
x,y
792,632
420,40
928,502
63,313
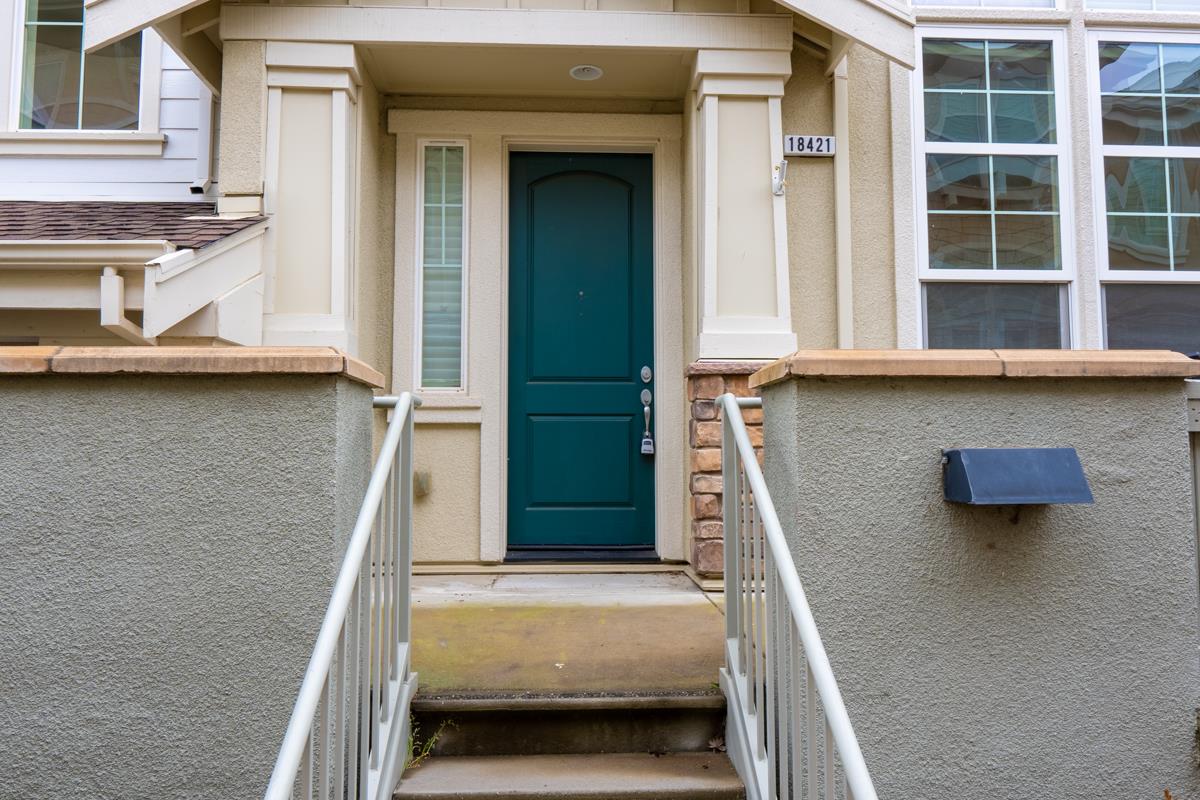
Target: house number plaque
x,y
796,144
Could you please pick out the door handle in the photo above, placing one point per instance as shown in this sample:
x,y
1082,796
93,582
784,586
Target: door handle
x,y
647,437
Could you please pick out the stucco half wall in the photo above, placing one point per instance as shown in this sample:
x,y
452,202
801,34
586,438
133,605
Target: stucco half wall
x,y
170,543
1015,652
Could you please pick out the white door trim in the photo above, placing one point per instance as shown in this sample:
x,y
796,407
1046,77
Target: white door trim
x,y
493,136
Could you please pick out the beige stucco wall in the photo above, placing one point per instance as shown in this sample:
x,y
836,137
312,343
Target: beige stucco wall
x,y
446,521
243,117
808,108
871,200
375,235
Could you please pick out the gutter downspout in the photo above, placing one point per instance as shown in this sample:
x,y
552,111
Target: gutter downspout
x,y
112,309
842,220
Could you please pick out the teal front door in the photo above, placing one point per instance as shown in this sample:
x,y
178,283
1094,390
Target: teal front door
x,y
581,347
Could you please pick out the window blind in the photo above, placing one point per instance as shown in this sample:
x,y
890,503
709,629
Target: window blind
x,y
442,268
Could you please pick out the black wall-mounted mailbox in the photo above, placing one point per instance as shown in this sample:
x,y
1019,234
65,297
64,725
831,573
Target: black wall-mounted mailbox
x,y
1014,476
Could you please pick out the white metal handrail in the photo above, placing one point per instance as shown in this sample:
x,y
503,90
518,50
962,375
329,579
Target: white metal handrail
x,y
777,678
348,734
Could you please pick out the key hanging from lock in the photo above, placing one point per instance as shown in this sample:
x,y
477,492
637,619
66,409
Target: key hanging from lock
x,y
647,437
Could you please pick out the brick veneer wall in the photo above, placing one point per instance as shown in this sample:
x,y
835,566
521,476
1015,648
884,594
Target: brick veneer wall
x,y
706,381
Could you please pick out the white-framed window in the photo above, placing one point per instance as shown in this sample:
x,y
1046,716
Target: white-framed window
x,y
989,3
1145,105
442,192
995,245
61,87
1142,5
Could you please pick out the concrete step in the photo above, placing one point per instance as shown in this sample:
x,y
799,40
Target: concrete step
x,y
531,724
679,776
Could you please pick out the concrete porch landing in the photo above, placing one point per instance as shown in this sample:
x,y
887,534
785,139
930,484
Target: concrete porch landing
x,y
558,634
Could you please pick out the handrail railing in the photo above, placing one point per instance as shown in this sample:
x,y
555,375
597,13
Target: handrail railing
x,y
348,734
777,678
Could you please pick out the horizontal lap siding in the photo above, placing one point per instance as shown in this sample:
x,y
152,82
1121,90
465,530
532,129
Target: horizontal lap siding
x,y
168,177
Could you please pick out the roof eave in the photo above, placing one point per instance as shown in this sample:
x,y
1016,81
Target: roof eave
x,y
82,253
877,25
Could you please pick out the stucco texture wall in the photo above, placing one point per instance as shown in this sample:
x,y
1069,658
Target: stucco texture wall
x,y
169,549
807,107
984,652
446,521
243,117
376,234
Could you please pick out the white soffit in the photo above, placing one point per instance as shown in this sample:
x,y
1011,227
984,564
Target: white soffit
x,y
881,25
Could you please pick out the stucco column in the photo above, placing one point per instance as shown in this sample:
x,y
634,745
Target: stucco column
x,y
744,308
309,188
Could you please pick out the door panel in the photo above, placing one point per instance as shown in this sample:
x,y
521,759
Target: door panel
x,y
580,330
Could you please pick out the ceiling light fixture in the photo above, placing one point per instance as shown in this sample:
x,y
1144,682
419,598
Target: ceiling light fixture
x,y
586,72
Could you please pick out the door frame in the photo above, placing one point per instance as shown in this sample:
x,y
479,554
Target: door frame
x,y
493,136
519,147
669,470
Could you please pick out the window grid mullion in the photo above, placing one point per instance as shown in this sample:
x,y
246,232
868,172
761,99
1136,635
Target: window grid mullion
x,y
987,86
991,162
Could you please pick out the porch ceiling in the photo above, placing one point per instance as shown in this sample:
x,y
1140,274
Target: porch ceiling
x,y
526,72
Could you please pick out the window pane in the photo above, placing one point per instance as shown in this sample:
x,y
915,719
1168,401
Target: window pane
x,y
1027,241
52,63
993,315
1153,317
54,10
1023,118
1181,68
986,3
434,225
951,117
1129,68
957,183
954,65
1183,121
1135,185
1133,5
1138,243
1021,65
1026,183
454,174
960,241
111,86
1185,185
1130,119
1186,232
442,269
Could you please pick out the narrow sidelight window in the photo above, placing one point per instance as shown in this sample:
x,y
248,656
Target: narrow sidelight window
x,y
61,87
1148,136
995,253
443,260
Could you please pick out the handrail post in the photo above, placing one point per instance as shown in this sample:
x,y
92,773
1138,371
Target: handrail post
x,y
731,499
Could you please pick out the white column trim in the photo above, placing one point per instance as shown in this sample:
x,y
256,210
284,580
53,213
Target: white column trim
x,y
745,74
336,69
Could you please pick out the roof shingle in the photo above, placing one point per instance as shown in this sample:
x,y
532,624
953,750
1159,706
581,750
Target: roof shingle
x,y
185,225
